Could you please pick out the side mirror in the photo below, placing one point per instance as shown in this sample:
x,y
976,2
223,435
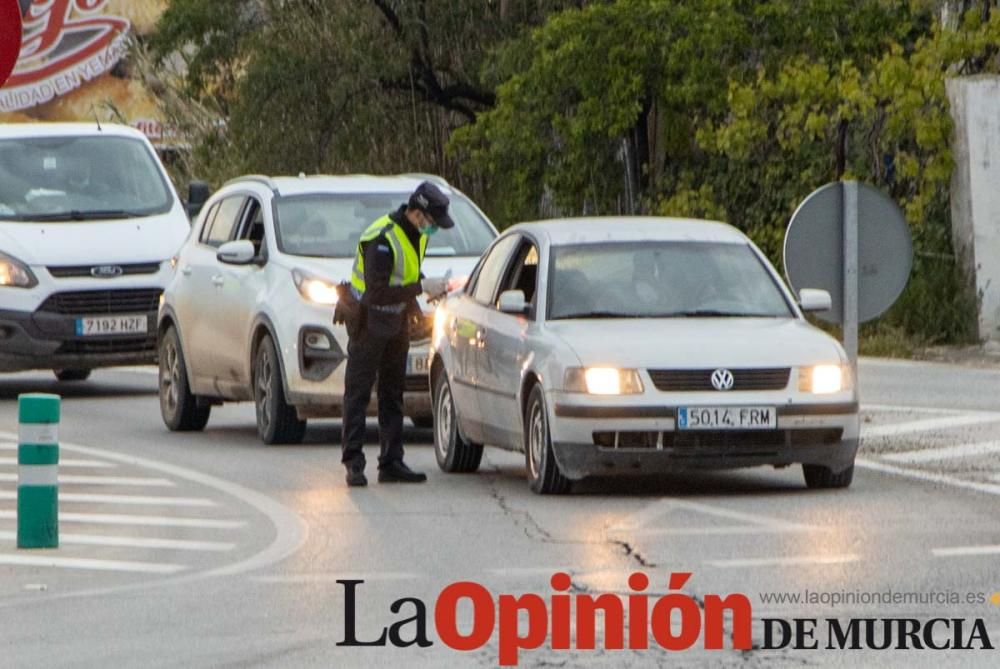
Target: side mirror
x,y
198,194
240,252
512,302
812,299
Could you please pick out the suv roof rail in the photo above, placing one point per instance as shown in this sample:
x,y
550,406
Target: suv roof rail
x,y
255,178
439,180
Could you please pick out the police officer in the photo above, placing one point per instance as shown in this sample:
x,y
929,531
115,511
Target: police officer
x,y
387,280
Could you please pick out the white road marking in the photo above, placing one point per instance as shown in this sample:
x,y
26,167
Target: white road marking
x,y
152,371
783,561
120,519
722,530
67,462
962,551
127,500
640,519
334,577
942,479
103,480
134,542
96,565
944,453
928,425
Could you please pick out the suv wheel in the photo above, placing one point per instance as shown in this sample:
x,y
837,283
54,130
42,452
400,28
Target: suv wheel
x,y
178,406
819,477
72,374
277,421
453,453
544,475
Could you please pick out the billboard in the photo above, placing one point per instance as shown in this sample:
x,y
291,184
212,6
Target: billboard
x,y
74,64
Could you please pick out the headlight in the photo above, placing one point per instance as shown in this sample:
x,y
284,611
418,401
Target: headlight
x,y
824,379
314,289
603,381
15,274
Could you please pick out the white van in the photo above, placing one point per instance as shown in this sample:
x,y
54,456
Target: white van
x,y
89,222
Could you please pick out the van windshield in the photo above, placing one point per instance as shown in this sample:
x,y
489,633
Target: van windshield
x,y
79,179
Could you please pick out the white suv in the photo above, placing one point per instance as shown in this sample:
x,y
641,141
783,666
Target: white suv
x,y
249,313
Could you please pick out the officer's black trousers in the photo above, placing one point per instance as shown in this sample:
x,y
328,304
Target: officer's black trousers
x,y
369,357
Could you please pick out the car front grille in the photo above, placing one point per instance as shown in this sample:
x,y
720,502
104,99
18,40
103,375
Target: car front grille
x,y
99,302
682,380
417,384
700,443
76,271
98,346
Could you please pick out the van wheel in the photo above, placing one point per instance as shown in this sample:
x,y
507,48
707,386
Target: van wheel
x,y
277,421
453,453
819,477
178,406
544,475
72,374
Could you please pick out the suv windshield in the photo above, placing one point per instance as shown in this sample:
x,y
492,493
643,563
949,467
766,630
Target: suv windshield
x,y
79,178
662,280
328,225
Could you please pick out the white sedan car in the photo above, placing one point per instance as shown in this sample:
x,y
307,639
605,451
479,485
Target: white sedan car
x,y
638,346
248,314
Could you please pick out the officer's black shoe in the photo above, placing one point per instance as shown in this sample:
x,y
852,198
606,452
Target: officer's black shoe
x,y
398,472
356,476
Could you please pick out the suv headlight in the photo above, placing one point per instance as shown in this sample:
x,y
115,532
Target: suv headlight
x,y
15,274
314,289
824,379
602,381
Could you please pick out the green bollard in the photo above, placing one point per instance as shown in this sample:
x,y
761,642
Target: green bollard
x,y
38,471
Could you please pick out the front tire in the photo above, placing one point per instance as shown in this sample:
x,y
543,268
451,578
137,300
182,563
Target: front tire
x,y
819,477
544,475
72,374
178,405
454,454
277,421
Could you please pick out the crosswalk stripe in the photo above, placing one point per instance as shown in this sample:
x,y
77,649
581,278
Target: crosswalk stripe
x,y
783,561
928,425
89,564
71,479
944,453
133,542
127,500
120,519
67,462
960,551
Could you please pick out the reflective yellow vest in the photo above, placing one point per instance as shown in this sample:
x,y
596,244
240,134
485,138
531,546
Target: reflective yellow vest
x,y
406,260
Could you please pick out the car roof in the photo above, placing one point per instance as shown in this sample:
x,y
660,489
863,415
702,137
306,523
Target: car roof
x,y
348,183
26,130
566,231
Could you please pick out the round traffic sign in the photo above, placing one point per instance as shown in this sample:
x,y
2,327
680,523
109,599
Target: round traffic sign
x,y
10,37
814,249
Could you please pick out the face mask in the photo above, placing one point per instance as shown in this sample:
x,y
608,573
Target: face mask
x,y
430,229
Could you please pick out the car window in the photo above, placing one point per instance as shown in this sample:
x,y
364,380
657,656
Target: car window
x,y
252,227
523,272
661,280
329,225
224,223
491,269
207,224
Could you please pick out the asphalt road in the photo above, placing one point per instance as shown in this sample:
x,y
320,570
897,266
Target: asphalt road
x,y
211,549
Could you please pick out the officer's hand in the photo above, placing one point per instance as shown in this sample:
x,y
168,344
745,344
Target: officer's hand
x,y
435,287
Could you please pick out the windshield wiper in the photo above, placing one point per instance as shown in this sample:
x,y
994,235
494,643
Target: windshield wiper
x,y
708,313
90,215
598,314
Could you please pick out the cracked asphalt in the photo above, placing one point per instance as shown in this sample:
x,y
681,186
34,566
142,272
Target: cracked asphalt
x,y
909,524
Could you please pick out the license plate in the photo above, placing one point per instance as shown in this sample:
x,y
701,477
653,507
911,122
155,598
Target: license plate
x,y
727,418
111,325
417,364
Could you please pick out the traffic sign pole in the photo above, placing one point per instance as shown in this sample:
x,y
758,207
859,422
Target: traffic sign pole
x,y
850,303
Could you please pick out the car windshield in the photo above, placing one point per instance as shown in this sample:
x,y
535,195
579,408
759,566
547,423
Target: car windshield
x,y
79,178
329,225
662,280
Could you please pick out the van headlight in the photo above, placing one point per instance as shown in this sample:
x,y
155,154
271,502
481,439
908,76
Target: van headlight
x,y
314,289
15,274
824,379
602,381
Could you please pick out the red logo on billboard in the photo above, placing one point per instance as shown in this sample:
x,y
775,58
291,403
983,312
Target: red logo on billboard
x,y
10,37
66,43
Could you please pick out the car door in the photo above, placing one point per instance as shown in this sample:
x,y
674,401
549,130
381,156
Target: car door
x,y
470,313
237,296
202,271
504,348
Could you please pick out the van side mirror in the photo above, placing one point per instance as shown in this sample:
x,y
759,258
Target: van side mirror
x,y
512,302
198,194
812,299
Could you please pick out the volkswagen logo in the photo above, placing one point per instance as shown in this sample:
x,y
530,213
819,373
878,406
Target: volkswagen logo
x,y
106,271
722,379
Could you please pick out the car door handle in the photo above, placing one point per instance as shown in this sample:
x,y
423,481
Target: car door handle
x,y
218,280
186,270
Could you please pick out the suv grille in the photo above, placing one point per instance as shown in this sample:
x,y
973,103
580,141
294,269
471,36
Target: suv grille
x,y
672,380
68,271
97,302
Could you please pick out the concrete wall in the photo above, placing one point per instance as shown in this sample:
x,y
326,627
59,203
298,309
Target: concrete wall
x,y
975,190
